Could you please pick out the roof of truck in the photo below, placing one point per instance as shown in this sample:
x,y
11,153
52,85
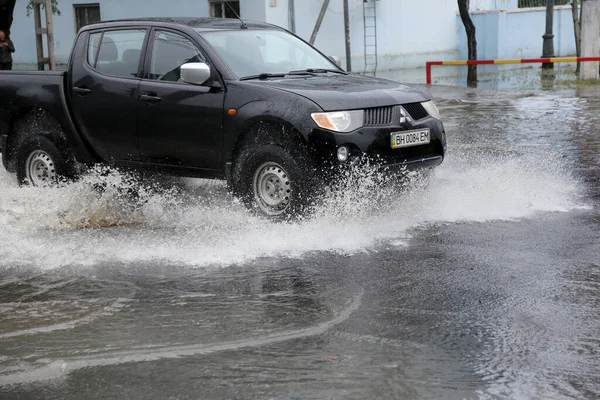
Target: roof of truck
x,y
196,23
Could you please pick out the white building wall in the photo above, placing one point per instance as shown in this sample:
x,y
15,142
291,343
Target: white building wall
x,y
254,10
410,32
22,31
484,5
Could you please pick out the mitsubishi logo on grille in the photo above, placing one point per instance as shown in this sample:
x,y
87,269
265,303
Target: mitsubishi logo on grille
x,y
404,118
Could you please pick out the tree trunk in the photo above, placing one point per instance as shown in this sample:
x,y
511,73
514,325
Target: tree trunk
x,y
463,8
577,30
6,15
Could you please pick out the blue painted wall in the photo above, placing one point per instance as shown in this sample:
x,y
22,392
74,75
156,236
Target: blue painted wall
x,y
518,33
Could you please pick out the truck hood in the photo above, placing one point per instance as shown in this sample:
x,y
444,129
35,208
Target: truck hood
x,y
347,92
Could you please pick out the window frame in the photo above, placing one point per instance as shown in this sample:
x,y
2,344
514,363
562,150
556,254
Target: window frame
x,y
84,6
102,31
213,3
150,49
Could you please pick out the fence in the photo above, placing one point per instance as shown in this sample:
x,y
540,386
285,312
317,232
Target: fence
x,y
503,5
540,3
429,64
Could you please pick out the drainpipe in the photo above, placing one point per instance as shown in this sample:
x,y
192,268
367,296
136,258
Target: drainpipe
x,y
548,49
347,35
292,16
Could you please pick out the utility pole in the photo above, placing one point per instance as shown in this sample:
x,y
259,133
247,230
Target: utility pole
x,y
590,37
347,36
548,49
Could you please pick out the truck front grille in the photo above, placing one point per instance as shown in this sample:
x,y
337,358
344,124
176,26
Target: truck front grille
x,y
416,111
380,116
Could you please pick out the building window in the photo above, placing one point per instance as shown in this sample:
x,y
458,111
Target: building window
x,y
86,14
224,8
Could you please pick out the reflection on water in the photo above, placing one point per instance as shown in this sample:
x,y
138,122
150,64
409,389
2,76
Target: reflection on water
x,y
493,77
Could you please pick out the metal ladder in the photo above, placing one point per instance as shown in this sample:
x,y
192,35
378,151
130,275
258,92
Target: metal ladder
x,y
370,26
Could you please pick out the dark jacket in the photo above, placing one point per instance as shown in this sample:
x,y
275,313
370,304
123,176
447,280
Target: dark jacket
x,y
5,51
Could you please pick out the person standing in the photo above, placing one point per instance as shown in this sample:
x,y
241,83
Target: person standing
x,y
6,48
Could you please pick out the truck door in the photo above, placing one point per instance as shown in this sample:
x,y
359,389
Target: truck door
x,y
104,96
180,124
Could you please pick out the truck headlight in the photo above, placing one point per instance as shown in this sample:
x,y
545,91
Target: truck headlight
x,y
431,109
340,121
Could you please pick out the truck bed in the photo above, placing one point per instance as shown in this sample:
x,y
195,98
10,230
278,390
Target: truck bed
x,y
24,91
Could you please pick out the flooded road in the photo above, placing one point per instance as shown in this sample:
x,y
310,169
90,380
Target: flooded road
x,y
482,283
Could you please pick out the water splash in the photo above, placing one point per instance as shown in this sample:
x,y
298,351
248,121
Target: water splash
x,y
198,224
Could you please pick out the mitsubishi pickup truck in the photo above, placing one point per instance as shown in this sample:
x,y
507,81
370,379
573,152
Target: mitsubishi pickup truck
x,y
246,102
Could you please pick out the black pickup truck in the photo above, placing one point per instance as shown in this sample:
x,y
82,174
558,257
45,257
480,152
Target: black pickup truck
x,y
213,98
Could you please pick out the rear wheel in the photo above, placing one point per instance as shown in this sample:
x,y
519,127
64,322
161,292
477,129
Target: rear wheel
x,y
40,162
273,183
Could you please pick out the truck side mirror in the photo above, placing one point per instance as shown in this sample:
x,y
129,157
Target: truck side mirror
x,y
195,73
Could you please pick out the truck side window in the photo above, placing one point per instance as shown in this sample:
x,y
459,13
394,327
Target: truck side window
x,y
169,52
93,45
119,53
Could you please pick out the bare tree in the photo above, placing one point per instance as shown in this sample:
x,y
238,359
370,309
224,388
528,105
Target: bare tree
x,y
463,8
577,29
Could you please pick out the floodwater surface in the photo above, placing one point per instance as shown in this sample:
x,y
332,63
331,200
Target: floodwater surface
x,y
482,282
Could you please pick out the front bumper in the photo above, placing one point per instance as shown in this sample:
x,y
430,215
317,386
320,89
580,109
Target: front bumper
x,y
429,162
373,144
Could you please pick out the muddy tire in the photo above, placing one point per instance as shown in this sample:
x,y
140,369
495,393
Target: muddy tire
x,y
40,161
274,184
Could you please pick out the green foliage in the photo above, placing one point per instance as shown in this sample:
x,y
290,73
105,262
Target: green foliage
x,y
53,3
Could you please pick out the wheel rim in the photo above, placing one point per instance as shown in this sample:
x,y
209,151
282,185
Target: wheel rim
x,y
40,169
272,188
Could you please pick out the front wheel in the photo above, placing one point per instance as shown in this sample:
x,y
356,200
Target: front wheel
x,y
273,183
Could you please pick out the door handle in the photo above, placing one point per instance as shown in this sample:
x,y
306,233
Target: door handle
x,y
81,91
150,98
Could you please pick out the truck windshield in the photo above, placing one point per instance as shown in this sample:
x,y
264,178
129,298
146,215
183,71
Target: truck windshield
x,y
256,52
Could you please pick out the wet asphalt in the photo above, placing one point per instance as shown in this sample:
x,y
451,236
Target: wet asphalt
x,y
483,284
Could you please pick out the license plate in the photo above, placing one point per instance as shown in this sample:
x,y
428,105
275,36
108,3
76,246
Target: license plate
x,y
410,138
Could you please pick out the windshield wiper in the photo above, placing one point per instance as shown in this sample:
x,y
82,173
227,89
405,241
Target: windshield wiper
x,y
320,71
266,75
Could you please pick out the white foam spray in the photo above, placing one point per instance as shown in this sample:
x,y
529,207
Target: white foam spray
x,y
203,225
